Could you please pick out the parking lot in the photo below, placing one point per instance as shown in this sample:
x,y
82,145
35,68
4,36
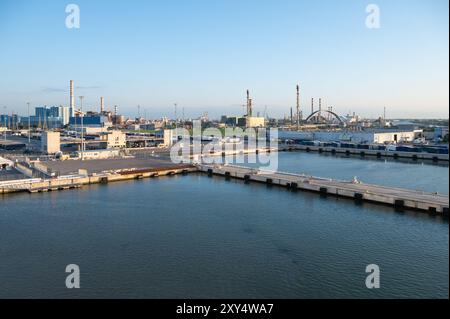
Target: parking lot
x,y
98,166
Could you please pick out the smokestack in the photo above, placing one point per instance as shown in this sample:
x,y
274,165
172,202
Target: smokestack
x,y
72,100
298,107
249,104
102,105
312,105
292,117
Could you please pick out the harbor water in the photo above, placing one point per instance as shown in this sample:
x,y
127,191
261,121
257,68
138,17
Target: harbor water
x,y
198,237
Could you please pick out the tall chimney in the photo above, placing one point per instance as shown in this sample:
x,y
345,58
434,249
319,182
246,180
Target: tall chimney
x,y
249,104
298,107
312,105
102,105
72,100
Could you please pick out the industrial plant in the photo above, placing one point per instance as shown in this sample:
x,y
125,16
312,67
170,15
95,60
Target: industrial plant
x,y
70,146
75,130
231,157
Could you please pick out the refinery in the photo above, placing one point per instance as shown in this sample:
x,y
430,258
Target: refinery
x,y
69,129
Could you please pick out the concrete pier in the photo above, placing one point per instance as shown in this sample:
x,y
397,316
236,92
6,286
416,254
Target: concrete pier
x,y
69,182
367,152
396,197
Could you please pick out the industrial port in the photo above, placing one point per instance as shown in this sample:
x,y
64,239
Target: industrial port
x,y
232,157
65,147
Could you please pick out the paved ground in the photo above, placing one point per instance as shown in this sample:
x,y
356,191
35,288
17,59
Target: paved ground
x,y
162,153
11,174
98,166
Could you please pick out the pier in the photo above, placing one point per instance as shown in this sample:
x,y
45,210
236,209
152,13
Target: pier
x,y
38,185
395,197
367,152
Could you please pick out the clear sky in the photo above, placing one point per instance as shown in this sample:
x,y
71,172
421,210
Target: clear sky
x,y
204,54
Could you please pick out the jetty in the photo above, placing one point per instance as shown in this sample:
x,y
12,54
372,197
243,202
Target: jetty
x,y
358,191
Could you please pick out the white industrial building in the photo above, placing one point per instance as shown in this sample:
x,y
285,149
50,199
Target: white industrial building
x,y
381,136
99,154
116,139
51,142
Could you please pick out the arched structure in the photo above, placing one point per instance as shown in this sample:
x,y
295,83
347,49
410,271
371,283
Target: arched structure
x,y
325,111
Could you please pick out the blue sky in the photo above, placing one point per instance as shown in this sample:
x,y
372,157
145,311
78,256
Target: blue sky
x,y
204,54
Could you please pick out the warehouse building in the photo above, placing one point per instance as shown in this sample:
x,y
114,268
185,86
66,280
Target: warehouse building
x,y
382,136
92,121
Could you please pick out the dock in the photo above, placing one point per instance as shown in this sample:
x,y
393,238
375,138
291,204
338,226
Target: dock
x,y
395,197
39,185
366,152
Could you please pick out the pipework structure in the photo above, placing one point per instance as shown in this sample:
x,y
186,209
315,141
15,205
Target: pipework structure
x,y
72,99
102,105
249,105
